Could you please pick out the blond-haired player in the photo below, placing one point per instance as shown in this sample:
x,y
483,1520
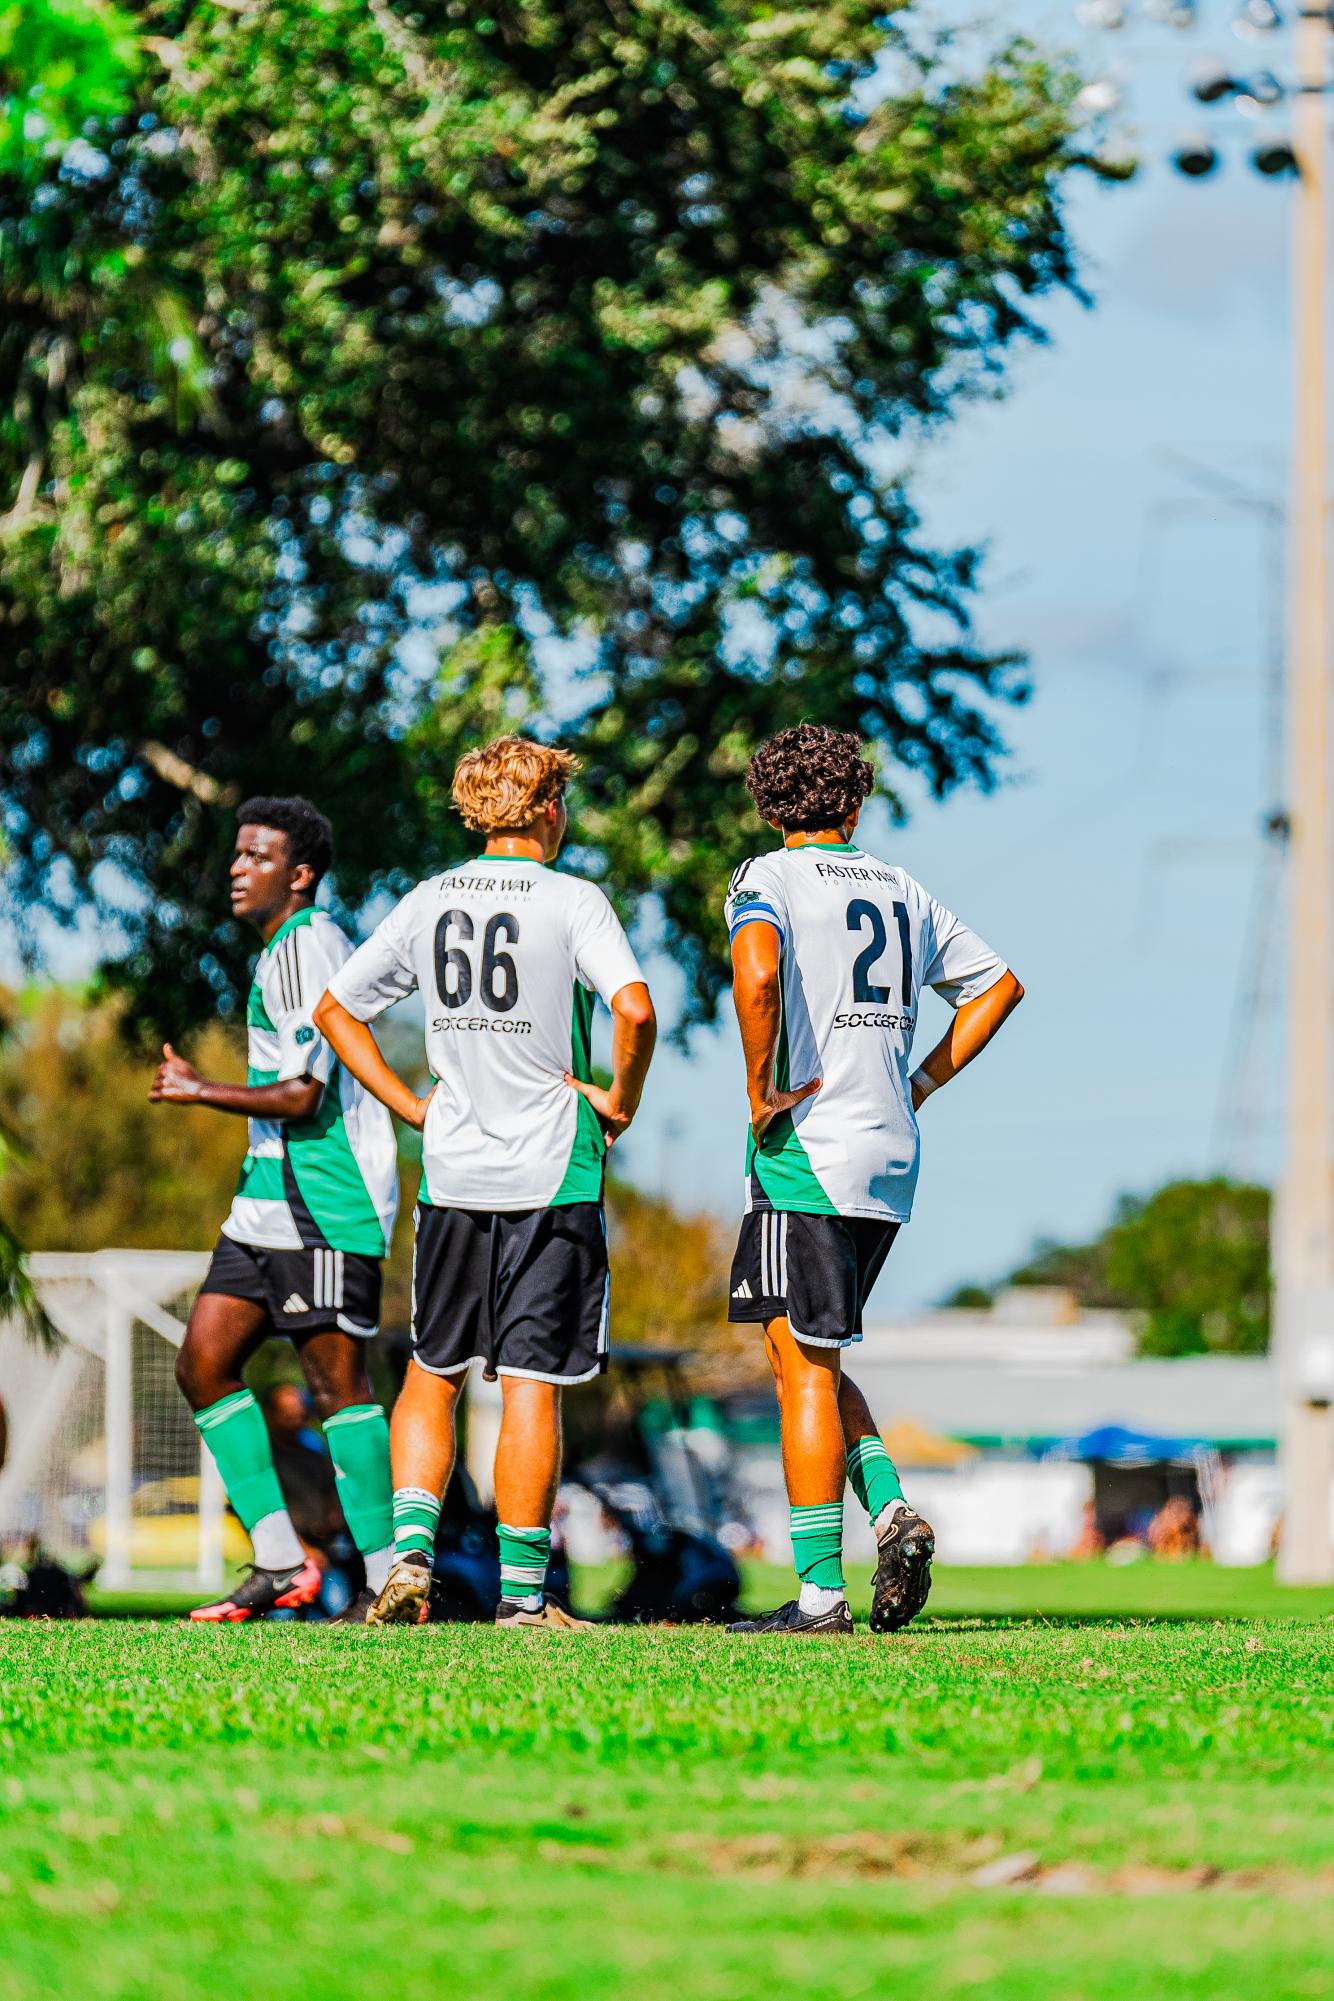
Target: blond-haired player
x,y
510,1267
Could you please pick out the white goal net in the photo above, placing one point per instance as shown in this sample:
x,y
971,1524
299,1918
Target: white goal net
x,y
105,1466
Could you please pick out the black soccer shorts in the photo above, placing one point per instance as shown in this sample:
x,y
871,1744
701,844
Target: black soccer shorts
x,y
523,1291
818,1270
303,1292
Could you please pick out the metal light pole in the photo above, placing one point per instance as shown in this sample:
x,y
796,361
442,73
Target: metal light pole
x,y
1304,1223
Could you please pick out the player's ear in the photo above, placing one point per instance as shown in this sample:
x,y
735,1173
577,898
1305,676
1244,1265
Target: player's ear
x,y
303,880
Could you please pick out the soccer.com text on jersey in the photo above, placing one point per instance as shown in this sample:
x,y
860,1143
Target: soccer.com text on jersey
x,y
499,1024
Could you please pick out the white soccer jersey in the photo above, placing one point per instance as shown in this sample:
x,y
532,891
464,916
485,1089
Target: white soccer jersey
x,y
508,955
860,939
331,1179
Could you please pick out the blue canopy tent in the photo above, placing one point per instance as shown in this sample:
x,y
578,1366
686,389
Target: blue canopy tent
x,y
1136,1472
1119,1445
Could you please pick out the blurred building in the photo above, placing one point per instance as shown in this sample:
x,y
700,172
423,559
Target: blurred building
x,y
1020,1427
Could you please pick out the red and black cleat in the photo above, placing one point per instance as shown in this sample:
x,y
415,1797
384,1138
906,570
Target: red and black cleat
x,y
264,1591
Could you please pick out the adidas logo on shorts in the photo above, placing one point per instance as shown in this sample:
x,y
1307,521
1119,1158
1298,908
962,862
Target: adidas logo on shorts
x,y
743,1290
294,1303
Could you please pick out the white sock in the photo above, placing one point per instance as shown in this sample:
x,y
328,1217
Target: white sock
x,y
377,1562
276,1543
887,1514
532,1603
820,1598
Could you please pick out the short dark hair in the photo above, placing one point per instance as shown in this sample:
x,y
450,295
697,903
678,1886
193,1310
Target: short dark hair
x,y
309,835
809,777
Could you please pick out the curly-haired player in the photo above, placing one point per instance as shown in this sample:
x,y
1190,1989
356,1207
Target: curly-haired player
x,y
510,1267
830,951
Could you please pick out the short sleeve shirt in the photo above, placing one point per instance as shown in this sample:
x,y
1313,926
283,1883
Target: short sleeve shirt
x,y
331,1179
508,956
860,940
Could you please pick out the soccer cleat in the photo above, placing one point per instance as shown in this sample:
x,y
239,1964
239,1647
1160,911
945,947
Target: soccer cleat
x,y
264,1591
902,1571
790,1618
553,1618
406,1597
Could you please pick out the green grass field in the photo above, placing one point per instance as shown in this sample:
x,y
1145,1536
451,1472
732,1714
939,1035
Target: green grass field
x,y
1067,1782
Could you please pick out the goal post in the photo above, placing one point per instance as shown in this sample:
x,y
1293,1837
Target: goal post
x,y
106,1466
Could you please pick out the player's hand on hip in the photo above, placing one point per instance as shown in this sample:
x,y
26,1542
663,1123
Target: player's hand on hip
x,y
613,1116
763,1111
176,1082
417,1117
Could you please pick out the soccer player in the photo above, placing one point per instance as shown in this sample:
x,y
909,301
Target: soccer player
x,y
830,950
314,1209
510,1267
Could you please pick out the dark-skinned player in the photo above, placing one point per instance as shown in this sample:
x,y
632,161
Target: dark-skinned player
x,y
299,1254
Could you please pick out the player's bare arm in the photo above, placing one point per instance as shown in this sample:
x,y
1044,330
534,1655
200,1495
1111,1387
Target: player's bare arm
x,y
757,995
354,1044
177,1082
972,1028
634,1031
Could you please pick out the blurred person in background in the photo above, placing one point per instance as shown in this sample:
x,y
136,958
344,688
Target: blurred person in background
x,y
300,1251
831,949
510,1264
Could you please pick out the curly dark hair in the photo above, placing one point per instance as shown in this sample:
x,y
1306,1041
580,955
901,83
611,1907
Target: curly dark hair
x,y
809,777
309,835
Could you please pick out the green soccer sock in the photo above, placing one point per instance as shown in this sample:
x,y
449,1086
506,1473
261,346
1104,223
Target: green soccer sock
x,y
236,1434
416,1516
524,1556
358,1440
874,1479
817,1545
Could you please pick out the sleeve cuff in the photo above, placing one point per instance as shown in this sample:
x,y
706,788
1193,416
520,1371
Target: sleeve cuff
x,y
757,913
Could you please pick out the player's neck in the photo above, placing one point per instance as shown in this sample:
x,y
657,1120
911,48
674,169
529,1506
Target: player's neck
x,y
272,923
517,848
821,837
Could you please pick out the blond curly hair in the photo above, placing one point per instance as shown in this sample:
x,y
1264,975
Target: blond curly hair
x,y
502,787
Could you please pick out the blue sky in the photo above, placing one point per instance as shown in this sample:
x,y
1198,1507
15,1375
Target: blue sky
x,y
1116,867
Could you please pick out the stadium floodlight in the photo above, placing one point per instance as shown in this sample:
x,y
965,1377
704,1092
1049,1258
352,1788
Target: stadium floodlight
x,y
1101,14
1259,93
1196,157
1213,83
1256,17
1263,88
1275,156
1096,99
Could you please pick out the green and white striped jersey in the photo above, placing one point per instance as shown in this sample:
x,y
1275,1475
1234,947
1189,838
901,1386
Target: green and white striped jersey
x,y
331,1179
508,955
860,939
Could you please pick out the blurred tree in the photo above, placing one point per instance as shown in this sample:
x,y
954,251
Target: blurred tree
x,y
578,319
669,1274
1190,1261
100,1166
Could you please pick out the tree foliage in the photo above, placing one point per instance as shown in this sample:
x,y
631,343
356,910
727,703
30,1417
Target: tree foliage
x,y
574,332
1190,1261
